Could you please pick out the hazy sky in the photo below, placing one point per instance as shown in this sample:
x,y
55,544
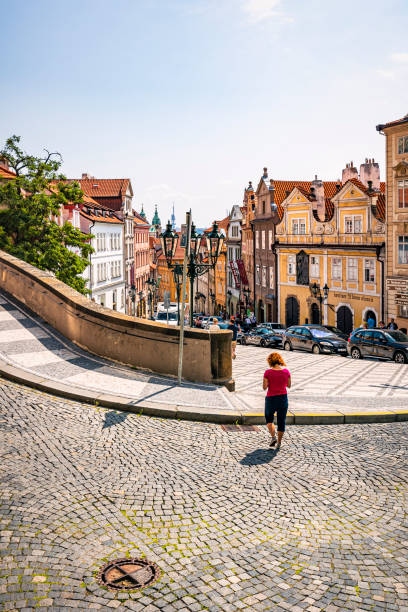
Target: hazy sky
x,y
192,98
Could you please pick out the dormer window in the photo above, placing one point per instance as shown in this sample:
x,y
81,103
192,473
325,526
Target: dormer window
x,y
403,145
298,226
353,224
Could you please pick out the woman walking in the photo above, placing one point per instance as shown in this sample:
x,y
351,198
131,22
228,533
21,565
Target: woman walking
x,y
276,380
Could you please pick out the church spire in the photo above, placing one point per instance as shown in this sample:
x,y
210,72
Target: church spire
x,y
173,219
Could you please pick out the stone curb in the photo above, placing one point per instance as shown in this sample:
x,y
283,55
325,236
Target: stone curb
x,y
189,413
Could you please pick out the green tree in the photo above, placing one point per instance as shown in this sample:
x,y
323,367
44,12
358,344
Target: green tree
x,y
29,207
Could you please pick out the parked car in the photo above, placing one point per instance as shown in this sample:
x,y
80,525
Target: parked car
x,y
316,339
383,343
260,337
278,328
209,322
332,328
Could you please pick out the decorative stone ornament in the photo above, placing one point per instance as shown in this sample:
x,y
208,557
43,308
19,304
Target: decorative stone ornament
x,y
319,229
329,229
379,228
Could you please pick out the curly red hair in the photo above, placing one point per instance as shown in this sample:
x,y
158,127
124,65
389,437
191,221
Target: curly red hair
x,y
275,359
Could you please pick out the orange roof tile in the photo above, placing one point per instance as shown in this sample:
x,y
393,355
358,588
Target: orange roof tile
x,y
381,126
382,187
93,216
104,188
8,174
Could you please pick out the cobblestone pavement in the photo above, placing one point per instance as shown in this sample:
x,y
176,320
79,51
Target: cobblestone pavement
x,y
320,525
321,383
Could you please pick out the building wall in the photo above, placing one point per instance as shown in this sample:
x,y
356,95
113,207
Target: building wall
x,y
397,226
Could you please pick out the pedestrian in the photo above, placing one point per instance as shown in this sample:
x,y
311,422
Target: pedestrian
x,y
253,320
214,325
392,324
235,329
370,321
276,381
381,325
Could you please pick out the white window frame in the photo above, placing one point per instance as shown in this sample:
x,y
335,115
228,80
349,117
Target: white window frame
x,y
315,266
403,183
299,226
352,269
291,265
402,145
402,250
258,275
263,276
369,270
337,268
263,239
353,224
257,239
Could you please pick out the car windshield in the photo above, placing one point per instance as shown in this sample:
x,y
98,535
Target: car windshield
x,y
321,333
335,330
162,316
399,336
277,326
263,331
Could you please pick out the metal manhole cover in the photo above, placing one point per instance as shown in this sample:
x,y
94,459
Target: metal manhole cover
x,y
126,574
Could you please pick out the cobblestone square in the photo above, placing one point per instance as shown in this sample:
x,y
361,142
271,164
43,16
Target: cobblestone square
x,y
320,525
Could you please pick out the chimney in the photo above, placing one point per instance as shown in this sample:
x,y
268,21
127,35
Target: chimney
x,y
317,193
370,173
272,192
370,185
265,174
349,172
287,192
338,186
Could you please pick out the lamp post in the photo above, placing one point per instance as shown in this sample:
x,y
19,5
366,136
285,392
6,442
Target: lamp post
x,y
139,305
229,294
178,280
132,295
316,292
212,297
153,285
215,239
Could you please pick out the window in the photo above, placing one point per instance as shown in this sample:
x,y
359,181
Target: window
x,y
352,269
263,276
263,207
270,239
403,249
271,278
114,300
115,269
257,240
230,279
263,239
314,266
353,224
122,299
402,194
291,264
258,275
234,231
403,310
403,144
337,272
369,271
298,226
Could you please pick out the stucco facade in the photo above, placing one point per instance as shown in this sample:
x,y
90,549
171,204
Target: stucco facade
x,y
396,282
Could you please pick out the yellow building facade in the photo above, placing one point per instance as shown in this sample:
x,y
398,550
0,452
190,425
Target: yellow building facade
x,y
332,237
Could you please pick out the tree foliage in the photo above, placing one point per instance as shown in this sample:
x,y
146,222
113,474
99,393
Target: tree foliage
x,y
30,205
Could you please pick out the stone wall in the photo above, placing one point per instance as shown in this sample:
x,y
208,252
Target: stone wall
x,y
135,342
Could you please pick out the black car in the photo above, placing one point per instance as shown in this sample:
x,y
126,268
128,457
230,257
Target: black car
x,y
313,338
332,328
383,343
261,337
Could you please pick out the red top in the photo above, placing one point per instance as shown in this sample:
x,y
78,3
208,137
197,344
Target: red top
x,y
277,381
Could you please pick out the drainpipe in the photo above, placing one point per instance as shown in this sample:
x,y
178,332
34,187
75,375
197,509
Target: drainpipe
x,y
254,266
378,254
275,254
90,261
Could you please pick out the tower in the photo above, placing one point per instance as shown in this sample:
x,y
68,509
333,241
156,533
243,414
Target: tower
x,y
173,219
156,223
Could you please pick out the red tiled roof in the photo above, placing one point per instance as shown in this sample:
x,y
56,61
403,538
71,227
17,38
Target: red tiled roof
x,y
381,126
104,188
382,187
282,187
223,224
8,174
93,215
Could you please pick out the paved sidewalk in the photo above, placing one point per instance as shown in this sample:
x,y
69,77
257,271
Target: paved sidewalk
x,y
327,389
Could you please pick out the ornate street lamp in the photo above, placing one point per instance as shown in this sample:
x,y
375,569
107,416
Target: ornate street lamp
x,y
215,239
178,280
316,292
229,295
169,241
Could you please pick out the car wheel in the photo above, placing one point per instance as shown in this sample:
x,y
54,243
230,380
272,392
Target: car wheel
x,y
287,346
399,357
355,353
243,341
316,349
262,343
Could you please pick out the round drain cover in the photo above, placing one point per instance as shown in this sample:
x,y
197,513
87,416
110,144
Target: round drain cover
x,y
126,574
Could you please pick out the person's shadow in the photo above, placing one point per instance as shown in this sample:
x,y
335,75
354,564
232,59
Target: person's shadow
x,y
113,418
259,456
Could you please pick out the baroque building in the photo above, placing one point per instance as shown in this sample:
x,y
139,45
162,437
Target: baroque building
x,y
331,234
396,149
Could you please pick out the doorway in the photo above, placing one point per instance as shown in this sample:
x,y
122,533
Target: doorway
x,y
315,314
345,319
291,311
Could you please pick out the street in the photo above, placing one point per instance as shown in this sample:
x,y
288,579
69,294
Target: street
x,y
320,525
